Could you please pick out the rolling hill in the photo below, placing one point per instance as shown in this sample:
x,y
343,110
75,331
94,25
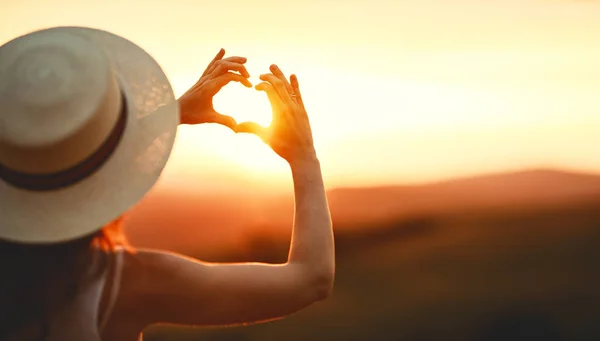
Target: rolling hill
x,y
213,221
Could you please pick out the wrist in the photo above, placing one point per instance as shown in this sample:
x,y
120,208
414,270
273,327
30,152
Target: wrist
x,y
182,112
305,160
307,169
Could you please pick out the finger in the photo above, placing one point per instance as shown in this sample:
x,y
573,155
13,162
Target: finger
x,y
279,74
218,57
224,120
211,68
252,128
271,94
296,89
219,82
224,66
279,87
267,87
236,59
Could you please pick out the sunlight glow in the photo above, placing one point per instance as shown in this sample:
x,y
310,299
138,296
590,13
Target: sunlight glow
x,y
244,104
396,91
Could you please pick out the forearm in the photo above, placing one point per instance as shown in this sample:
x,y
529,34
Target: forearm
x,y
312,244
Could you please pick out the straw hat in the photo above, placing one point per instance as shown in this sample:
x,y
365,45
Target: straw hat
x,y
87,123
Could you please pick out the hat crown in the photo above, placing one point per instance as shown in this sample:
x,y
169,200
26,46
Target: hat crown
x,y
58,99
113,118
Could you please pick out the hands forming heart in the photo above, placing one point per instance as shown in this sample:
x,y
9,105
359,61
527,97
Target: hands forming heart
x,y
197,103
289,133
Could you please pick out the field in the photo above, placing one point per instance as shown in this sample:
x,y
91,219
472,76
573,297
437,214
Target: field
x,y
521,272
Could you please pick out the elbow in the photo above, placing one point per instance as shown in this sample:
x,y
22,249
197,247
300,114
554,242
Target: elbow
x,y
323,291
315,283
321,284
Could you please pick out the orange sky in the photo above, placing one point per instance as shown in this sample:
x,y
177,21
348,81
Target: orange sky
x,y
398,91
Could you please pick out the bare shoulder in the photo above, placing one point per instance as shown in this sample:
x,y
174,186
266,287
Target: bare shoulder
x,y
146,274
141,276
154,286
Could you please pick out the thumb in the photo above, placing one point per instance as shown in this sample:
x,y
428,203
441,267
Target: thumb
x,y
251,128
224,120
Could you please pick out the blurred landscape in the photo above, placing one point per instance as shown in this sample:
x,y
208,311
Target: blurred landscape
x,y
397,91
498,257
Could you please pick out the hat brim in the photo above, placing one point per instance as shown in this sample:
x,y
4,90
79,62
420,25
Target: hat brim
x,y
130,172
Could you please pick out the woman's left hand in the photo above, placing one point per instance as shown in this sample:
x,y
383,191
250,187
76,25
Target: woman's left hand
x,y
196,105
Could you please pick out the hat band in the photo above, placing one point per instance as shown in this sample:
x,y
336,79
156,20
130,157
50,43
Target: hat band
x,y
54,181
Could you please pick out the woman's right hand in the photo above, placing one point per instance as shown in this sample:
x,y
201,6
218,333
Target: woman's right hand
x,y
289,133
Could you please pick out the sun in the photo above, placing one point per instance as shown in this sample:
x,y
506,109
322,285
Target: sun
x,y
246,104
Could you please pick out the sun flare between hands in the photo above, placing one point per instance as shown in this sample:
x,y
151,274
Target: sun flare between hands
x,y
244,104
247,104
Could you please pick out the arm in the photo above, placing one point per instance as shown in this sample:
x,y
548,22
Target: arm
x,y
181,290
312,242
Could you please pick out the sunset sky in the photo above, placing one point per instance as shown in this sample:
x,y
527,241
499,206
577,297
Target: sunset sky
x,y
397,91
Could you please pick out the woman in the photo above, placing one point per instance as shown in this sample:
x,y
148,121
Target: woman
x,y
66,278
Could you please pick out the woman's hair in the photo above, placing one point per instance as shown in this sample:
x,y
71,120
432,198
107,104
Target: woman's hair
x,y
36,279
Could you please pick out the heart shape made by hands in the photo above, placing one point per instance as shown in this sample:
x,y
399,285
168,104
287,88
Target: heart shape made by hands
x,y
243,104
